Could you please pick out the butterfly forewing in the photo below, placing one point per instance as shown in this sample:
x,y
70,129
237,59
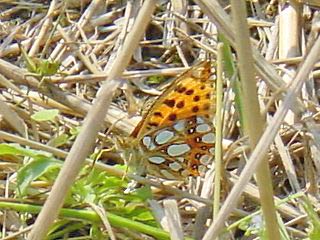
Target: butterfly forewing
x,y
176,136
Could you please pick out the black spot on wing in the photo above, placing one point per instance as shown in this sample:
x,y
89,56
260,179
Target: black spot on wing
x,y
170,102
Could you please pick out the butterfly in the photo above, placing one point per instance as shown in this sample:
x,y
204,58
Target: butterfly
x,y
175,138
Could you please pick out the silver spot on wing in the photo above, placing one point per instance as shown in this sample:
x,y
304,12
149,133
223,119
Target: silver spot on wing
x,y
178,149
179,126
157,160
200,120
211,150
205,159
202,170
163,137
175,166
208,138
148,143
185,173
202,128
167,174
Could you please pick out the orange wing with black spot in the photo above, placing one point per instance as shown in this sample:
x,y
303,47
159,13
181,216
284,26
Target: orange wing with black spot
x,y
192,93
176,135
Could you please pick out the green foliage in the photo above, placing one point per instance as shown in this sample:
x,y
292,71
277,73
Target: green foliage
x,y
39,66
63,228
155,79
46,67
64,138
33,170
96,233
252,226
17,150
231,73
314,220
283,231
38,164
59,140
45,115
96,187
92,187
75,131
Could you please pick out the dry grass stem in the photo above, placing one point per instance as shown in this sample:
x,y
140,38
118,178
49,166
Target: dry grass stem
x,y
95,116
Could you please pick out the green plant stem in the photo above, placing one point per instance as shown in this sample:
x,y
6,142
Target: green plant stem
x,y
91,216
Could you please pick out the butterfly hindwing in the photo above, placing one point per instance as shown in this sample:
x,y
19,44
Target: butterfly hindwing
x,y
176,136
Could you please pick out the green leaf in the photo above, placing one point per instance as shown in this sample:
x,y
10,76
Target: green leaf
x,y
74,131
144,193
244,224
230,70
155,79
59,140
313,219
144,216
47,67
43,67
45,115
31,66
33,170
96,233
17,150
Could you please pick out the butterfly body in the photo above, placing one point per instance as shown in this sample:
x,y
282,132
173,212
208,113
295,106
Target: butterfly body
x,y
175,138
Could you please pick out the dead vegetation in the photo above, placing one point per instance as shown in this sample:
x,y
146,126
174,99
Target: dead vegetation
x,y
57,56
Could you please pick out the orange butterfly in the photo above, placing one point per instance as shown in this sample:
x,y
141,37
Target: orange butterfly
x,y
175,138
